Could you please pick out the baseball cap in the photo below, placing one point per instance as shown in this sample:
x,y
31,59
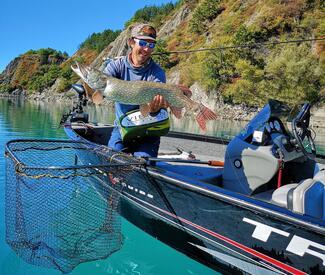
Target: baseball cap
x,y
144,31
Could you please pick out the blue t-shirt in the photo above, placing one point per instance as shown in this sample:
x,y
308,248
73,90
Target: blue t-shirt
x,y
122,69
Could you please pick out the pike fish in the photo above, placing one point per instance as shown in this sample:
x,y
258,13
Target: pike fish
x,y
141,93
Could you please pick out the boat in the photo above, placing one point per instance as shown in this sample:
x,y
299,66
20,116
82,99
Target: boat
x,y
254,204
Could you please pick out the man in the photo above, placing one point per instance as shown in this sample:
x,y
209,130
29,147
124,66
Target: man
x,y
137,65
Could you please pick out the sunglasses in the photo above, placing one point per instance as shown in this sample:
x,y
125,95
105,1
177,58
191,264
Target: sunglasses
x,y
143,43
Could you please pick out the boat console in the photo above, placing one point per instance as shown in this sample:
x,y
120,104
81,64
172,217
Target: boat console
x,y
267,158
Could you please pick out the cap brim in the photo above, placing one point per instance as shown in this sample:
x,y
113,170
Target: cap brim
x,y
145,37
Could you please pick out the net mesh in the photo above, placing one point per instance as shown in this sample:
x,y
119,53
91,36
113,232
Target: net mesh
x,y
59,209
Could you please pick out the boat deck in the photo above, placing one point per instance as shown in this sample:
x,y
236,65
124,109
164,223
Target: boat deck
x,y
202,150
175,147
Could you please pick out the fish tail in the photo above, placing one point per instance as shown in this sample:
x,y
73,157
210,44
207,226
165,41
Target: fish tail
x,y
203,114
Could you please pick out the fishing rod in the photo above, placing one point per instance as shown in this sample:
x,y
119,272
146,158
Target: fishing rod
x,y
252,45
216,163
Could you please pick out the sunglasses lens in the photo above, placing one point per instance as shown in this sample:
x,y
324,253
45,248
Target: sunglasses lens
x,y
143,43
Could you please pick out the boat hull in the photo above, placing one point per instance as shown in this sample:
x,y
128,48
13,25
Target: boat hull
x,y
217,233
227,232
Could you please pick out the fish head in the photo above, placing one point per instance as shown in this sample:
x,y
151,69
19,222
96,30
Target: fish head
x,y
93,77
109,93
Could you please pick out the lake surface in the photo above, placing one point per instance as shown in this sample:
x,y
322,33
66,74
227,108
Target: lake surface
x,y
140,254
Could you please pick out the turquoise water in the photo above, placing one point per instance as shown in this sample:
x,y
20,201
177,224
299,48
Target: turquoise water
x,y
140,254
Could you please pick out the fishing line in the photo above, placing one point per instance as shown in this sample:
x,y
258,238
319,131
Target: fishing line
x,y
169,206
163,196
252,45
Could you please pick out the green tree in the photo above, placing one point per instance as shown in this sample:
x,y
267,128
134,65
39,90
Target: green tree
x,y
5,88
244,36
245,88
99,41
162,57
218,68
44,78
151,14
292,74
204,13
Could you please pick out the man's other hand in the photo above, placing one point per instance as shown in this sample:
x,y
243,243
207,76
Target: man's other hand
x,y
89,91
157,103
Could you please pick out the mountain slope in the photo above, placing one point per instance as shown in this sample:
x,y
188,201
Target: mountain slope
x,y
292,72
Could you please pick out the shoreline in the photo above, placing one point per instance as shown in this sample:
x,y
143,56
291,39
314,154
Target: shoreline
x,y
238,112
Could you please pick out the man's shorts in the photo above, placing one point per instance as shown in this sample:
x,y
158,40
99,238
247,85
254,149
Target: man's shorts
x,y
140,147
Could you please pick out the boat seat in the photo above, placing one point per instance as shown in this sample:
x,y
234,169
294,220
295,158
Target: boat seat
x,y
320,175
279,196
306,198
248,168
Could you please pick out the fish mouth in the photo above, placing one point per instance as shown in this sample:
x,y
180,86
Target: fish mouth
x,y
89,75
81,70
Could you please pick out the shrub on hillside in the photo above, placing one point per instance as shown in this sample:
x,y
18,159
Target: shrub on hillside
x,y
188,2
164,60
66,72
5,88
292,74
218,68
322,77
245,36
63,85
44,78
245,87
49,55
204,13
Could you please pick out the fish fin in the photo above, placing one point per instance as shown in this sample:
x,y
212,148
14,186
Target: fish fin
x,y
144,110
89,91
186,91
97,97
177,112
203,115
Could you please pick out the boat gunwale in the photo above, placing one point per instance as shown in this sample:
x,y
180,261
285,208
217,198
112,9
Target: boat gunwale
x,y
223,194
243,201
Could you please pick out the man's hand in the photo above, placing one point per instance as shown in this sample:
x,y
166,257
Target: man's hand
x,y
157,103
89,91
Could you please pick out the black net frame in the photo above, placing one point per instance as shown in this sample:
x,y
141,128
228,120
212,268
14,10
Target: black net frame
x,y
60,210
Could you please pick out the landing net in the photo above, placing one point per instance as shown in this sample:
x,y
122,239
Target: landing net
x,y
60,208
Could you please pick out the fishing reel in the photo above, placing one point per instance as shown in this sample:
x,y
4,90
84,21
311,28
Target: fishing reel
x,y
303,139
77,113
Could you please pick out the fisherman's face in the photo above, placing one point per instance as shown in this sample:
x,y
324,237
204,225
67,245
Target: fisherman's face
x,y
140,52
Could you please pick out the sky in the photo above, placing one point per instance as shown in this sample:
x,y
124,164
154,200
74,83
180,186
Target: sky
x,y
59,24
